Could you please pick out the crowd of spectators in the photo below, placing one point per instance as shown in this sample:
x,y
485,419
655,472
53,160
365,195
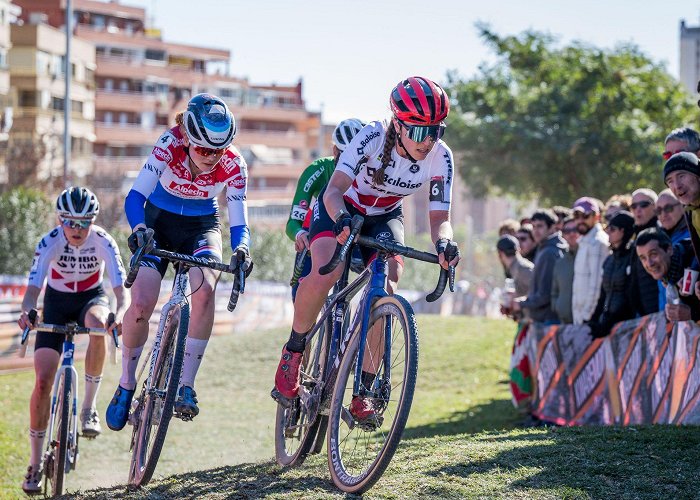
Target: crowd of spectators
x,y
600,263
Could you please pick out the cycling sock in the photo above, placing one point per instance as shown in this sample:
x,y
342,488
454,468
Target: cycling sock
x,y
130,361
194,350
368,379
92,385
296,342
36,444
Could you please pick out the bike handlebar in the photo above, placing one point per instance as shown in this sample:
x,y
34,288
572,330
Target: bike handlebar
x,y
298,266
240,267
394,248
69,328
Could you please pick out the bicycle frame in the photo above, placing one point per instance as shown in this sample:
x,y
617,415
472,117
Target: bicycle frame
x,y
66,365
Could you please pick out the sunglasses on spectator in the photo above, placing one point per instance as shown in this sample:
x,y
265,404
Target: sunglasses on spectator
x,y
76,223
640,204
418,133
582,215
202,151
569,230
668,154
612,228
666,208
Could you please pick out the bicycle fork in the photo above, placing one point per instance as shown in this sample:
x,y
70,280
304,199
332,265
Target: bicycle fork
x,y
66,365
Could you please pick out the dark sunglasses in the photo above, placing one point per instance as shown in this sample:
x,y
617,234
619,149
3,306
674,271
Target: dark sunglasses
x,y
76,223
582,215
666,208
612,228
418,133
640,204
202,151
569,230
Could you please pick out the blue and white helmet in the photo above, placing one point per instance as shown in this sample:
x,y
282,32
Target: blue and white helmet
x,y
77,202
345,131
208,122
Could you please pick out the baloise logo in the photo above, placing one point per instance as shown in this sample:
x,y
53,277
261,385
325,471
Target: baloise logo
x,y
365,141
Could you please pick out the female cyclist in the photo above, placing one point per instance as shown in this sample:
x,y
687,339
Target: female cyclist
x,y
312,181
175,195
384,163
71,258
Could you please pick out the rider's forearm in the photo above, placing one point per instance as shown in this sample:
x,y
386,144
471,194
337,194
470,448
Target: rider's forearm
x,y
123,301
333,200
31,296
440,226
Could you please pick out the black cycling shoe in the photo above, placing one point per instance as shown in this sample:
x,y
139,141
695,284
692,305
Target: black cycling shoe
x,y
186,403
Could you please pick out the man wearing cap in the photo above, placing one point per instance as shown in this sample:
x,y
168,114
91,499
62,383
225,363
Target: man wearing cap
x,y
593,249
645,290
682,176
514,265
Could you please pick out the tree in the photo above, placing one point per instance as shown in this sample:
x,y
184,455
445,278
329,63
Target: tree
x,y
25,215
559,123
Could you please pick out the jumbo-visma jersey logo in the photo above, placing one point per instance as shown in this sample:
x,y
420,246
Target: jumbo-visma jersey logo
x,y
187,189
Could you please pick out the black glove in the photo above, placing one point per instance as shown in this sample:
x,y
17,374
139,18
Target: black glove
x,y
241,258
448,247
342,222
598,331
137,239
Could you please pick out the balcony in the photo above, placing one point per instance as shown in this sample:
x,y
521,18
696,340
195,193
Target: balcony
x,y
136,102
126,133
111,165
273,139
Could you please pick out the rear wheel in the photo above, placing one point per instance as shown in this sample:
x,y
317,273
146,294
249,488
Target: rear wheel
x,y
155,405
57,448
296,427
360,450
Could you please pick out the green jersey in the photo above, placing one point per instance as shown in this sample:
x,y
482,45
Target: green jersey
x,y
310,184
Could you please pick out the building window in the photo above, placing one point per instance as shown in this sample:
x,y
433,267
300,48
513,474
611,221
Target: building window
x,y
109,117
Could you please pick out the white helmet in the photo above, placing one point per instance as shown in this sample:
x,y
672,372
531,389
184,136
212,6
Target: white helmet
x,y
345,131
77,202
208,122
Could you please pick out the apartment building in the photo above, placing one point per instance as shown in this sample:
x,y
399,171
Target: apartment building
x,y
143,81
37,77
689,57
5,97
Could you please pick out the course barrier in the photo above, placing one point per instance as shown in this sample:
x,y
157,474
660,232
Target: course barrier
x,y
646,371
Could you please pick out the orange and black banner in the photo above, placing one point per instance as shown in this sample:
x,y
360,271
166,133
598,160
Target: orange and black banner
x,y
646,371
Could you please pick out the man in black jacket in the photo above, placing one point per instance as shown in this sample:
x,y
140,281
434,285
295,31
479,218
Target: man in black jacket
x,y
645,290
666,262
550,248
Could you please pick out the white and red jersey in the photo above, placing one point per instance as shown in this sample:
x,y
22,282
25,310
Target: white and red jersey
x,y
165,180
74,269
402,177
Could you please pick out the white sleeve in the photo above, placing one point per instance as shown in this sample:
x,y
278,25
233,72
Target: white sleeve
x,y
43,254
366,143
109,251
236,193
441,177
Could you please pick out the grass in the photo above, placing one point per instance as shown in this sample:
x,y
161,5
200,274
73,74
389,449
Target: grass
x,y
462,438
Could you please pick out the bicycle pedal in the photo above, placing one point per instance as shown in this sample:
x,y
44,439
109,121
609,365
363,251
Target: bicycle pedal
x,y
185,417
88,436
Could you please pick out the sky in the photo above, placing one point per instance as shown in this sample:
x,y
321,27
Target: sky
x,y
350,54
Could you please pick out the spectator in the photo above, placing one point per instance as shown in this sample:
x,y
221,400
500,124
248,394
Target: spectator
x,y
508,226
682,175
593,249
528,247
669,211
681,139
550,248
666,262
615,302
514,264
561,213
645,290
563,273
615,204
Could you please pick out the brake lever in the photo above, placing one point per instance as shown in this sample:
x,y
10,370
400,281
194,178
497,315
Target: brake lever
x,y
451,271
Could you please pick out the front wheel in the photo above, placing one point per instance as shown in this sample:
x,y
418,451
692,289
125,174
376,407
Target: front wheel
x,y
359,450
155,404
55,461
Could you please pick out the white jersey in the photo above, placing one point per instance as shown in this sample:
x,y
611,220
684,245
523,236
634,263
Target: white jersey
x,y
402,177
74,269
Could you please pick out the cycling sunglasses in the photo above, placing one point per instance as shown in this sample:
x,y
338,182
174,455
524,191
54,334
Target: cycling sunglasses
x,y
76,223
418,133
202,151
